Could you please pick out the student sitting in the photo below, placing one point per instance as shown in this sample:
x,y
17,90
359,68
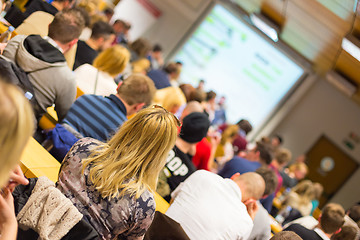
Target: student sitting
x,y
99,117
99,78
111,183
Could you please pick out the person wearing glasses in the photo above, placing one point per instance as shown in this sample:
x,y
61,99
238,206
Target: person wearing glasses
x,y
111,183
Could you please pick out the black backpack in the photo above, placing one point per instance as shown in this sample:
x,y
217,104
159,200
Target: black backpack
x,y
13,74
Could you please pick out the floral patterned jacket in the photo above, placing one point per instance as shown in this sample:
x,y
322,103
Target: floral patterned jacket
x,y
116,218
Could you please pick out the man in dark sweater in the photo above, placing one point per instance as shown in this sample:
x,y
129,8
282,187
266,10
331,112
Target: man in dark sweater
x,y
330,222
102,36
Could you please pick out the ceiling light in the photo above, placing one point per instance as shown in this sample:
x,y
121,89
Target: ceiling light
x,y
265,25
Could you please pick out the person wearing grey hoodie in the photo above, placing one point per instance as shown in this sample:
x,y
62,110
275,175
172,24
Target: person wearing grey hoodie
x,y
43,60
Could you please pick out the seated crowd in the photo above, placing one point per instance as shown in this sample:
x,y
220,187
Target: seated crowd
x,y
133,132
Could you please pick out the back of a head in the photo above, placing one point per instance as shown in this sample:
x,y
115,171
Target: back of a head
x,y
157,48
137,88
251,185
16,126
187,89
141,65
113,60
265,151
305,190
245,125
195,127
191,107
171,68
282,156
270,178
346,233
229,133
171,98
66,26
318,190
141,47
210,95
101,29
332,218
354,213
286,235
131,161
299,166
197,95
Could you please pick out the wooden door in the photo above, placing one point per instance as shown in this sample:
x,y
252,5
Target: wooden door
x,y
330,166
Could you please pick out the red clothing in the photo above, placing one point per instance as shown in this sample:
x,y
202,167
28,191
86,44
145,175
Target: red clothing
x,y
202,155
280,179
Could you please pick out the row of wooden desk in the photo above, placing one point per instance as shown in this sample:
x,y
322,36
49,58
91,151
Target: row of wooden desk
x,y
37,162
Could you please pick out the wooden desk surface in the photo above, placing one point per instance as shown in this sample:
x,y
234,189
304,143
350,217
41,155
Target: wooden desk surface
x,y
36,161
161,204
275,226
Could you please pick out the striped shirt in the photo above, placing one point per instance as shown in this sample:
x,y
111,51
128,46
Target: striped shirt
x,y
96,116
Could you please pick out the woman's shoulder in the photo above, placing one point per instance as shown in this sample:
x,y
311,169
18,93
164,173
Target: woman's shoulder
x,y
83,147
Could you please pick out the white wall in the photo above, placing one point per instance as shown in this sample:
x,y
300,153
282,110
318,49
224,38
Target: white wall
x,y
176,19
324,110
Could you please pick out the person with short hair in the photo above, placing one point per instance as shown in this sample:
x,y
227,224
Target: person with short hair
x,y
98,78
286,235
210,207
16,126
121,29
330,222
43,58
111,183
102,36
162,77
99,117
155,57
256,157
178,164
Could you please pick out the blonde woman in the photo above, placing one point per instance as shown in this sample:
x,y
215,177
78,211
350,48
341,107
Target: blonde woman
x,y
98,78
300,197
16,126
171,98
111,183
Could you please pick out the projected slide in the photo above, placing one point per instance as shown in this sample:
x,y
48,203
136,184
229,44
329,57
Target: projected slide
x,y
238,63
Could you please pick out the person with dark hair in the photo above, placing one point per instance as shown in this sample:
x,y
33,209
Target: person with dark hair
x,y
155,57
109,13
43,58
260,155
102,36
161,77
210,105
121,29
286,235
179,165
240,141
330,222
276,141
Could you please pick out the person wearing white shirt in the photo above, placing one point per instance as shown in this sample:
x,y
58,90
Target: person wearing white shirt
x,y
210,207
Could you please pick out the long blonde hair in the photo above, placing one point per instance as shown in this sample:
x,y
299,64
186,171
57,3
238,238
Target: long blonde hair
x,y
16,126
131,161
